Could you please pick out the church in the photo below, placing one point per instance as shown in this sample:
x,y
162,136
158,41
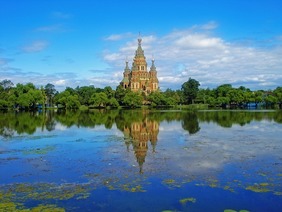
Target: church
x,y
138,78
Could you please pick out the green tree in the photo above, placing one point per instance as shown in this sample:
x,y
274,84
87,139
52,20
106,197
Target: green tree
x,y
25,100
50,93
235,96
223,101
84,94
113,102
222,90
211,101
73,102
270,100
99,99
6,84
3,104
120,94
170,94
37,97
133,100
258,96
278,93
190,90
160,99
109,92
66,100
201,96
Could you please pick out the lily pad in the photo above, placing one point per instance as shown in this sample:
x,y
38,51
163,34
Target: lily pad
x,y
185,200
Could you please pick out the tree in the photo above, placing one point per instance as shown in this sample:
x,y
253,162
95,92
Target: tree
x,y
278,93
85,93
170,94
190,90
109,92
72,102
258,97
222,90
132,99
24,100
270,100
235,96
201,96
50,92
113,102
223,101
37,97
3,104
66,100
6,84
99,99
120,94
158,99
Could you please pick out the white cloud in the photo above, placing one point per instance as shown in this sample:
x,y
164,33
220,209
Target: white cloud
x,y
210,25
210,59
60,82
36,46
199,41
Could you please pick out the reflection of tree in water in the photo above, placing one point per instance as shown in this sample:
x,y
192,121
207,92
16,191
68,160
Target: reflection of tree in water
x,y
227,118
20,123
50,122
190,123
138,134
87,119
28,122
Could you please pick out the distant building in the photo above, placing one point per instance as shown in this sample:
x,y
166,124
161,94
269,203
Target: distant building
x,y
138,78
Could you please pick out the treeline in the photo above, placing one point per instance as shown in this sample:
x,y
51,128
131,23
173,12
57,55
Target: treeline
x,y
29,97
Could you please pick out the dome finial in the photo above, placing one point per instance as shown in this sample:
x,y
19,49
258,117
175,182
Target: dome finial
x,y
139,39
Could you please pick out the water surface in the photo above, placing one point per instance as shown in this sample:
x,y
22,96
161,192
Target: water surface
x,y
141,160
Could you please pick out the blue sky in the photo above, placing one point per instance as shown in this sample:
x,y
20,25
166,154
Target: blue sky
x,y
76,43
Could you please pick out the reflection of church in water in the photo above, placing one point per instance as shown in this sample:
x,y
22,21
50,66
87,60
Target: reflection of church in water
x,y
139,135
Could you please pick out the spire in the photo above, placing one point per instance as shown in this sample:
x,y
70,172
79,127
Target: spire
x,y
139,51
153,67
126,66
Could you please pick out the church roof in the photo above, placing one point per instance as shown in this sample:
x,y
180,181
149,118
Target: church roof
x,y
126,69
139,52
153,67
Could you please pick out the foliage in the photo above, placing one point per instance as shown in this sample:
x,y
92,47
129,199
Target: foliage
x,y
85,93
190,90
50,92
99,99
120,94
132,100
66,100
28,97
